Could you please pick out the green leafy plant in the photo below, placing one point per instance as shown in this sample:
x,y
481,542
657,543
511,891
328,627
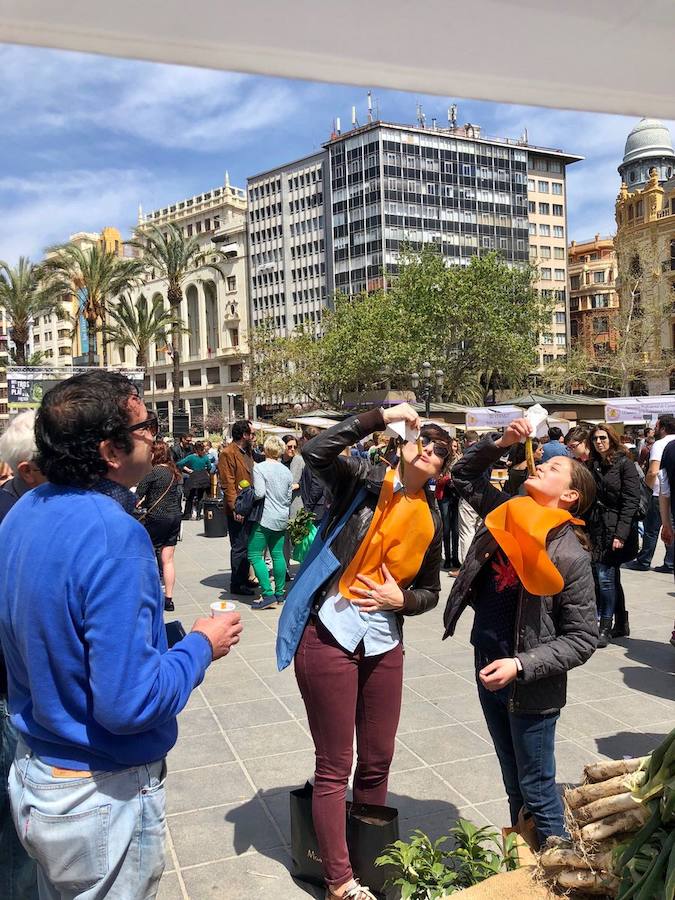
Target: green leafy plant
x,y
419,868
425,871
299,527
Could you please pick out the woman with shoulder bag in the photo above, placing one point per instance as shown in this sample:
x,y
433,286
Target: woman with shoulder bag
x,y
159,496
386,546
612,526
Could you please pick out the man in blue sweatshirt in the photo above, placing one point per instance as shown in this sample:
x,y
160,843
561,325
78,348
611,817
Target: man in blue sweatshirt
x,y
93,690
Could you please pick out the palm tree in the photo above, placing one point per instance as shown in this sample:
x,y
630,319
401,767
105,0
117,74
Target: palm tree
x,y
95,275
25,295
134,325
173,257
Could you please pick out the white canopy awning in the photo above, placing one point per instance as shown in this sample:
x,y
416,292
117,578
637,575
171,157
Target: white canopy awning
x,y
632,410
514,51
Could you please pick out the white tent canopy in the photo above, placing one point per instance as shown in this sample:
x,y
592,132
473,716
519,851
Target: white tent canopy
x,y
513,51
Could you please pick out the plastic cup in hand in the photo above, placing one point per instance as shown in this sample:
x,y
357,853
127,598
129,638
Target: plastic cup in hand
x,y
222,607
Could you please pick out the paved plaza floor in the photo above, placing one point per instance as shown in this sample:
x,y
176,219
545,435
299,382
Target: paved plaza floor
x,y
244,742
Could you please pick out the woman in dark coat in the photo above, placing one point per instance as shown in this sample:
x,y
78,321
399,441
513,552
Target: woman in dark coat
x,y
612,525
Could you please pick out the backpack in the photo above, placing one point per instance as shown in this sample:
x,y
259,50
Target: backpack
x,y
646,494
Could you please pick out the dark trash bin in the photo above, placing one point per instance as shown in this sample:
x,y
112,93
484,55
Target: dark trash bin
x,y
215,520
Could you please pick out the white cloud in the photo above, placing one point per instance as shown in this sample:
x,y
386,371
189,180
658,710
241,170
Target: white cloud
x,y
44,210
48,92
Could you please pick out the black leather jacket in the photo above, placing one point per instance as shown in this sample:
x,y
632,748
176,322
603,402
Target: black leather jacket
x,y
553,633
343,476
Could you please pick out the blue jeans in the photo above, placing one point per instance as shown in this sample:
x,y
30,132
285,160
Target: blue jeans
x,y
93,835
18,873
525,746
606,583
652,528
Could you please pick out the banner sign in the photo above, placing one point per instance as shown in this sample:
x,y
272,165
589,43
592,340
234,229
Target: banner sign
x,y
622,409
492,416
27,385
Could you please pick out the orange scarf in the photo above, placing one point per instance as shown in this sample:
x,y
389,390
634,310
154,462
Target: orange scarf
x,y
520,526
399,535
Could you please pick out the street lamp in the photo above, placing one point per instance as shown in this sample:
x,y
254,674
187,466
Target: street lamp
x,y
425,386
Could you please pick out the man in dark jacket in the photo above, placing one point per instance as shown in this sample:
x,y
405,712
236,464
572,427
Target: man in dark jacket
x,y
235,465
524,644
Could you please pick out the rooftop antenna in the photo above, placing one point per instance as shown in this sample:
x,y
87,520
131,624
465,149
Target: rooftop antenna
x,y
452,115
354,121
421,118
337,125
370,107
525,135
140,214
227,179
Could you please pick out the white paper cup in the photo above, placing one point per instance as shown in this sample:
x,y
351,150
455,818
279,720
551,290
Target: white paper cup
x,y
221,607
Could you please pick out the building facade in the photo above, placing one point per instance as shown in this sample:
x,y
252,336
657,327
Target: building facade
x,y
385,186
594,301
290,272
645,241
214,309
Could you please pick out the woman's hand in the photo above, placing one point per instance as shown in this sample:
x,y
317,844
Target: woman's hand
x,y
498,674
402,412
617,544
378,597
514,433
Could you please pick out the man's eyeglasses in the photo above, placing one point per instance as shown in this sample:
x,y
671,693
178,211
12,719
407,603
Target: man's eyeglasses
x,y
439,450
151,425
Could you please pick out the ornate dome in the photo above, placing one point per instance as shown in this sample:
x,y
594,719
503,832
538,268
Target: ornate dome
x,y
649,138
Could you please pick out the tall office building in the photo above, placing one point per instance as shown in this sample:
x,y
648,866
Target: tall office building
x,y
290,273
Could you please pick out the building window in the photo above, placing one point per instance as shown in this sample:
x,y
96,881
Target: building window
x,y
559,252
231,283
543,187
213,375
234,337
545,252
545,274
544,209
558,231
531,206
557,209
545,230
194,377
236,373
560,340
532,228
556,187
559,274
160,381
560,318
575,282
598,277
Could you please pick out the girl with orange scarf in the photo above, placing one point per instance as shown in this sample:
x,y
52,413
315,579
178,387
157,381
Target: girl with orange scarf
x,y
529,580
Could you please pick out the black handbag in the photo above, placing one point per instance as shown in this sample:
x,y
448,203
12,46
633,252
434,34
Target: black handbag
x,y
369,830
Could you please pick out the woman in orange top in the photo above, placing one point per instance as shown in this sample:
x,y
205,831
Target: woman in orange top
x,y
349,663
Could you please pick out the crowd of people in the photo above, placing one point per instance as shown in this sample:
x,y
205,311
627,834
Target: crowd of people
x,y
90,690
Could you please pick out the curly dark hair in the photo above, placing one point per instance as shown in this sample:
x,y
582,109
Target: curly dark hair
x,y
73,418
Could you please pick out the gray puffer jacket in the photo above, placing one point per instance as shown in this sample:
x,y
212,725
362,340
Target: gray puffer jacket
x,y
553,633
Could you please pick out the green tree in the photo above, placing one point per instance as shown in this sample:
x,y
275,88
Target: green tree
x,y
25,295
94,275
173,257
136,325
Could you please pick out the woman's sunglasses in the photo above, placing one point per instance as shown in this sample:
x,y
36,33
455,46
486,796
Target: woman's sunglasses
x,y
440,450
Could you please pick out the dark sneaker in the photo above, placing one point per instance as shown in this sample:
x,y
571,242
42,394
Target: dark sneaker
x,y
243,591
636,566
666,570
168,604
266,602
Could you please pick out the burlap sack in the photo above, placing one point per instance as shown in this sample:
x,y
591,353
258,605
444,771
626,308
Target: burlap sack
x,y
516,885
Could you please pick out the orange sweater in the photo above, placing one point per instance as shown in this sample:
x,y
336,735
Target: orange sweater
x,y
399,535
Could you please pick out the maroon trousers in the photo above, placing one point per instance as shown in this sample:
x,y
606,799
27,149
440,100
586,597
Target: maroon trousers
x,y
344,690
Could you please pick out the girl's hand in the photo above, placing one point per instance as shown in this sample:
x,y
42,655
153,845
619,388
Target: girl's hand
x,y
378,597
617,544
498,674
402,412
514,433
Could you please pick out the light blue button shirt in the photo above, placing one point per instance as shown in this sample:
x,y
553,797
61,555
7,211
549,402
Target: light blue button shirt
x,y
349,625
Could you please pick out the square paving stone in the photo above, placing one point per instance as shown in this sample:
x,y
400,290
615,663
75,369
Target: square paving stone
x,y
169,888
283,773
635,710
267,740
250,712
250,877
198,788
193,722
445,744
236,691
420,793
222,831
436,687
418,714
195,752
478,780
582,719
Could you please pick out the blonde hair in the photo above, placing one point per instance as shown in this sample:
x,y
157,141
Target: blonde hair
x,y
274,447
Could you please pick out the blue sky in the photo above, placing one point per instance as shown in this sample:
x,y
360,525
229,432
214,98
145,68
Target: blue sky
x,y
87,138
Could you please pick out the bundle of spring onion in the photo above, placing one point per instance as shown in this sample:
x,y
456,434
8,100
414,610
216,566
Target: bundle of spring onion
x,y
622,824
